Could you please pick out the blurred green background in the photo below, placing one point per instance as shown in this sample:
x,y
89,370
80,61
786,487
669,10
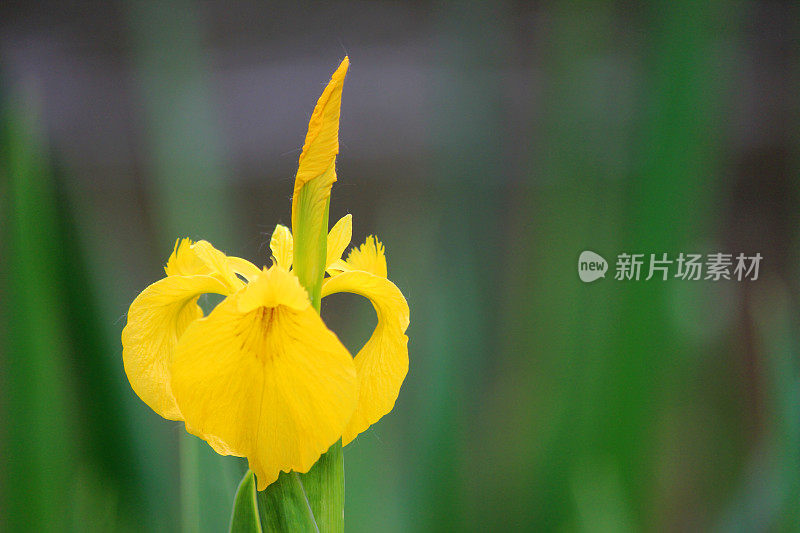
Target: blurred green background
x,y
487,145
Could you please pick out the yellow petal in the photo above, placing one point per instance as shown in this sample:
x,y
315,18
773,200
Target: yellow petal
x,y
337,267
244,267
156,320
201,257
184,262
262,377
369,257
322,140
282,243
382,364
339,239
282,246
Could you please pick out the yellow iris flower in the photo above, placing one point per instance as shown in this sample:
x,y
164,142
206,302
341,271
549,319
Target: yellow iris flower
x,y
261,376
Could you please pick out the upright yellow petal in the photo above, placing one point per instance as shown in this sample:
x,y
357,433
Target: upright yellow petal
x,y
156,320
282,246
262,377
382,364
369,257
312,187
339,239
322,140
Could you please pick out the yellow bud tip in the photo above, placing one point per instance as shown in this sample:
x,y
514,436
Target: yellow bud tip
x,y
343,65
322,140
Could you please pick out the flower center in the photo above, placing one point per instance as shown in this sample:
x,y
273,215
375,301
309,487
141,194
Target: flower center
x,y
259,332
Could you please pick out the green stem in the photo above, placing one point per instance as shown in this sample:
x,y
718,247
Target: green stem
x,y
323,485
310,230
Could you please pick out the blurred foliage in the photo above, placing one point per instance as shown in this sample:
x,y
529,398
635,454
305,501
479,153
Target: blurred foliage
x,y
533,401
71,449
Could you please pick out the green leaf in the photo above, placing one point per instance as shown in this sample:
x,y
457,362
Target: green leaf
x,y
284,505
244,518
324,484
34,354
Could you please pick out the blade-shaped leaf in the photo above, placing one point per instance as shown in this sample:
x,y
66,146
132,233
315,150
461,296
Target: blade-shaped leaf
x,y
284,506
324,485
244,518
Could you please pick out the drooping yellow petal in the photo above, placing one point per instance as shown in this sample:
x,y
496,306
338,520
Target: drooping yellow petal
x,y
184,261
312,187
339,239
369,257
282,246
201,257
262,377
382,364
156,320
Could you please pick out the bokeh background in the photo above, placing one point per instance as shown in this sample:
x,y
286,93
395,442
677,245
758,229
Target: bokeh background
x,y
487,145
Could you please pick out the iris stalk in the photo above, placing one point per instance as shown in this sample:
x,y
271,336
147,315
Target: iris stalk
x,y
323,485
